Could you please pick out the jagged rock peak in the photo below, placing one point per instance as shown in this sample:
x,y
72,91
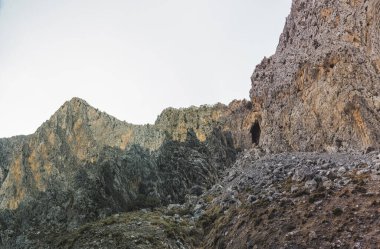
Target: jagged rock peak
x,y
77,106
77,101
320,91
74,105
78,114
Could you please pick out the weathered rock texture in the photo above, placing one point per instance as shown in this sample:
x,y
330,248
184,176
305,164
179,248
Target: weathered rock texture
x,y
83,164
9,148
295,200
64,186
236,119
320,91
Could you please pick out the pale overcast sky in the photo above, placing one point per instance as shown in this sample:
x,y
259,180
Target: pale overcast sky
x,y
129,58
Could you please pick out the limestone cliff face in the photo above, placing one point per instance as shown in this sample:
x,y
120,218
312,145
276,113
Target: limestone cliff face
x,y
320,91
176,122
74,136
144,164
235,120
9,149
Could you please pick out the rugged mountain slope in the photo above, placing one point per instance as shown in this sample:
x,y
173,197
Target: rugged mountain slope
x,y
320,91
9,148
296,200
66,185
288,200
235,119
83,164
77,135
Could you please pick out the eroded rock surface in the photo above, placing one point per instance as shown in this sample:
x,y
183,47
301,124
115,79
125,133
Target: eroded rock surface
x,y
320,91
295,200
9,148
205,177
82,164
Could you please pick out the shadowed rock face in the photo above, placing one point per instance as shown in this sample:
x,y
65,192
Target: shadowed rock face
x,y
9,148
83,164
320,91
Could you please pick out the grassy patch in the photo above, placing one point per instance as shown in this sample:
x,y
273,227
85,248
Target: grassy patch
x,y
211,215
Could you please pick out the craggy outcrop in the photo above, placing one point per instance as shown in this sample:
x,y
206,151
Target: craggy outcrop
x,y
204,177
236,119
77,135
295,200
83,164
9,148
320,91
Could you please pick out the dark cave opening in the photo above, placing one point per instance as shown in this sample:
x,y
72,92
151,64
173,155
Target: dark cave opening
x,y
255,133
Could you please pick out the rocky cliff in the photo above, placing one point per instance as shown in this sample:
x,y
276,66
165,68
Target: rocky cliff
x,y
82,164
9,148
78,135
320,91
296,167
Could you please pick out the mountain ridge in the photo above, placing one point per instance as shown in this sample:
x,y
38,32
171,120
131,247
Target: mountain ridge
x,y
77,133
297,166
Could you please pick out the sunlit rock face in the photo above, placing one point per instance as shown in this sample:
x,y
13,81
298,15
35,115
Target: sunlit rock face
x,y
82,150
320,91
234,120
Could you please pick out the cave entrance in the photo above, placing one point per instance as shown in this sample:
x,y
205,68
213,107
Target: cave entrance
x,y
255,133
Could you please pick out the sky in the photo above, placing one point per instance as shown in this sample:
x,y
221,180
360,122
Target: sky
x,y
129,58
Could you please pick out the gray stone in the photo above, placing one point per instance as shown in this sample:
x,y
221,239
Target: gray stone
x,y
311,185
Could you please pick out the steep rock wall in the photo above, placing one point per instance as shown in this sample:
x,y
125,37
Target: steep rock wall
x,y
320,91
157,163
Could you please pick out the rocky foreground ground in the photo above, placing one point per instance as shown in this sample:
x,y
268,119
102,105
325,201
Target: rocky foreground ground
x,y
288,200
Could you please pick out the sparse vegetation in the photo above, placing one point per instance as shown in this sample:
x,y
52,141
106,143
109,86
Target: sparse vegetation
x,y
337,211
